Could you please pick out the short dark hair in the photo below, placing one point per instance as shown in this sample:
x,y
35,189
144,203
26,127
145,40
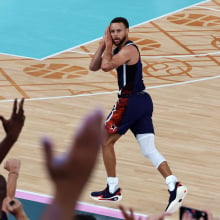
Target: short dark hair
x,y
120,20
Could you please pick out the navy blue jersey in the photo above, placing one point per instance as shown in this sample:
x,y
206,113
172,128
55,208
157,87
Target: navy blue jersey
x,y
130,78
134,107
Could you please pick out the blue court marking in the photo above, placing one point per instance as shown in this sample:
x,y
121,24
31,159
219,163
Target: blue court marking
x,y
37,29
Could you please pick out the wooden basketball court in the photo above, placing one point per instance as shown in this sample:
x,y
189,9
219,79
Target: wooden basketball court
x,y
181,58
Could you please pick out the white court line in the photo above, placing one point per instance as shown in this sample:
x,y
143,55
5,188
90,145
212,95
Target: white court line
x,y
85,95
81,206
19,56
72,48
106,93
166,56
69,50
207,8
172,56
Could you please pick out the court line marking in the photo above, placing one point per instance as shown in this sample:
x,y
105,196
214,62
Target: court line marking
x,y
164,56
69,50
46,198
203,7
150,56
19,56
81,206
87,207
172,56
106,93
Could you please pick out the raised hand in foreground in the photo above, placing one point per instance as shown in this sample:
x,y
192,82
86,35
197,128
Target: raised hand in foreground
x,y
70,171
12,127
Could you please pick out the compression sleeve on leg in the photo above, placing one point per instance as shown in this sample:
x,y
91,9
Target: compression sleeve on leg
x,y
148,149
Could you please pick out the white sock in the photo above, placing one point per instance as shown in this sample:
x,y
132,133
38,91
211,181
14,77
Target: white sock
x,y
171,182
112,183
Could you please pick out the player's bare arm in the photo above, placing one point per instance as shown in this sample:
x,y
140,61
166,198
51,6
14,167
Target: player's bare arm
x,y
128,55
96,61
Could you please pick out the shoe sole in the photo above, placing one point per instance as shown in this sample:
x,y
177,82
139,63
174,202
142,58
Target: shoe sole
x,y
111,199
175,204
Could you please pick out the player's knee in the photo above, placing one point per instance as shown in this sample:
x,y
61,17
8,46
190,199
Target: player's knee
x,y
148,149
146,143
111,139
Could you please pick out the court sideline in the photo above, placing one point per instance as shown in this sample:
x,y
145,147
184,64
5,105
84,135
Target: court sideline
x,y
180,52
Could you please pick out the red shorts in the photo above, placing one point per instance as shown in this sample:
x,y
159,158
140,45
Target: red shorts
x,y
114,118
133,112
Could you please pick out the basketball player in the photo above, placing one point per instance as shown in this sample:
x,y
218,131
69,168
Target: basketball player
x,y
133,110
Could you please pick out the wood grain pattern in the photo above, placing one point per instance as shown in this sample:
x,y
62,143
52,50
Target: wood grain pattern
x,y
181,60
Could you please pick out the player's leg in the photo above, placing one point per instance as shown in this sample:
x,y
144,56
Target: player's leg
x,y
144,132
176,189
113,126
112,192
108,153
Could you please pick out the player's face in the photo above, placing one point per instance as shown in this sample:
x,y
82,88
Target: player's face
x,y
119,33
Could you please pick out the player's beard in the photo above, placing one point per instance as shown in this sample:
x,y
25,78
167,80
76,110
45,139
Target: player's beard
x,y
121,42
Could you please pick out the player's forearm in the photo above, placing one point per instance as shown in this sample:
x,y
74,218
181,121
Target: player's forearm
x,y
96,61
107,64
